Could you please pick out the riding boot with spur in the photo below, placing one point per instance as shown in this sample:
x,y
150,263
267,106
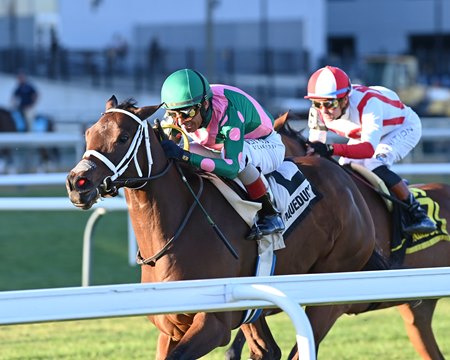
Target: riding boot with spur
x,y
269,220
416,220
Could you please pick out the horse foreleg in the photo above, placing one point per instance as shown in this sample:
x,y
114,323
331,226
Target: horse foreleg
x,y
417,322
207,332
165,345
321,318
260,341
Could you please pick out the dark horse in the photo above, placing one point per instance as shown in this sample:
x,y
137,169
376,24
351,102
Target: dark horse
x,y
9,123
417,316
179,243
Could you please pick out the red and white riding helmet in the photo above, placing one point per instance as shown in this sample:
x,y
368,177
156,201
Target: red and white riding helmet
x,y
328,82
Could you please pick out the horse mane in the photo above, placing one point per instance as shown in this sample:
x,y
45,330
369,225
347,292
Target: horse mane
x,y
288,131
128,104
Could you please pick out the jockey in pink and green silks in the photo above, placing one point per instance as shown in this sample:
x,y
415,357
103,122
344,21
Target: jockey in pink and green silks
x,y
232,136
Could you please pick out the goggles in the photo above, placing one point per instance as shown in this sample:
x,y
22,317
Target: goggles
x,y
184,113
327,104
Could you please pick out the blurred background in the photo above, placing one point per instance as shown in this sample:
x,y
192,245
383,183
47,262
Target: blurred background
x,y
77,54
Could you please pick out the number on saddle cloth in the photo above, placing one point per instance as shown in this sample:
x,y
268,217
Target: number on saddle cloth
x,y
294,195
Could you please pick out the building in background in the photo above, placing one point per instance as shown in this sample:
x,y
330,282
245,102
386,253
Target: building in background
x,y
267,46
421,28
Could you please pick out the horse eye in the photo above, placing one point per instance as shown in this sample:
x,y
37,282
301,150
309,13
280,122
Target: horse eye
x,y
124,138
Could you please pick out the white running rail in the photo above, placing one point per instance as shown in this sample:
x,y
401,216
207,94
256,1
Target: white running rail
x,y
30,306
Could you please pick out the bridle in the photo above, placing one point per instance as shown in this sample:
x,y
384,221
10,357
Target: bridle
x,y
107,186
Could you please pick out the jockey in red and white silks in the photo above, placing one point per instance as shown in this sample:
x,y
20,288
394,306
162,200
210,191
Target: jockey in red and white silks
x,y
380,128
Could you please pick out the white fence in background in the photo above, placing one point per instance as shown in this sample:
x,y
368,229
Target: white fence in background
x,y
434,129
285,292
45,139
60,178
422,169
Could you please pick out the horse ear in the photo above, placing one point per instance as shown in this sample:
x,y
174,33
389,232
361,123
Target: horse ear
x,y
146,111
111,103
280,121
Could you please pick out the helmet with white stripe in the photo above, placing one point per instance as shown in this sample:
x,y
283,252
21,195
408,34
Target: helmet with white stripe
x,y
328,82
184,88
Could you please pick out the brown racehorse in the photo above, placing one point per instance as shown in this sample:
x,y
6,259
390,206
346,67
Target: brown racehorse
x,y
178,243
417,316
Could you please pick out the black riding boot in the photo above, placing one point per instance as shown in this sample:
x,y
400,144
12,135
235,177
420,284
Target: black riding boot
x,y
269,220
416,219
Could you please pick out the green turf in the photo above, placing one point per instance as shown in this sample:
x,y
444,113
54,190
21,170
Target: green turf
x,y
44,249
372,336
41,250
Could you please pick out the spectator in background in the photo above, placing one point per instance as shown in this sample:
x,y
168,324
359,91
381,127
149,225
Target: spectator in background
x,y
122,52
24,99
116,52
54,64
155,61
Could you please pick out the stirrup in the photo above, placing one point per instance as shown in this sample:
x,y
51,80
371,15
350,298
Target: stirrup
x,y
269,224
255,233
425,226
272,224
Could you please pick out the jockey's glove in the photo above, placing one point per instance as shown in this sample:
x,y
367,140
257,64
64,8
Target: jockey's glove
x,y
322,149
173,151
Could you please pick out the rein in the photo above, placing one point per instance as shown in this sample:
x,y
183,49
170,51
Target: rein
x,y
131,181
301,139
152,259
368,184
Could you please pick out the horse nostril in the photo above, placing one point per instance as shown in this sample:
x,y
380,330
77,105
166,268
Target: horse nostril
x,y
69,185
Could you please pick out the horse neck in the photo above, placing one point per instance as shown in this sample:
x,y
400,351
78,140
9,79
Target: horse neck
x,y
157,210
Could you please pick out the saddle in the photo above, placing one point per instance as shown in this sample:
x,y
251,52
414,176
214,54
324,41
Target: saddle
x,y
375,180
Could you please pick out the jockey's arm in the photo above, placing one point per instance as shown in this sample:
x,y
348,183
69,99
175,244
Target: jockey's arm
x,y
231,135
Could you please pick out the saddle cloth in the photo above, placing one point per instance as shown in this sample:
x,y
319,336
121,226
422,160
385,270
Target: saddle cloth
x,y
417,242
401,243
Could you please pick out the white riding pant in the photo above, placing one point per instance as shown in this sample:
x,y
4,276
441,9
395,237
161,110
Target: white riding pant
x,y
392,148
266,154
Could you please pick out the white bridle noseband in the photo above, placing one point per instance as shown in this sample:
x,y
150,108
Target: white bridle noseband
x,y
119,169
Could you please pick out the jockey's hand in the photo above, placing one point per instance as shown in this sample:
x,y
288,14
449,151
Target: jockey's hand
x,y
173,151
316,147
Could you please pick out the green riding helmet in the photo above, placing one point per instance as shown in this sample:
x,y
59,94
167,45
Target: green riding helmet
x,y
184,88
